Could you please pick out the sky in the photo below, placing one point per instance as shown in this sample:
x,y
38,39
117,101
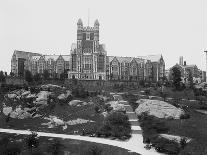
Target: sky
x,y
133,28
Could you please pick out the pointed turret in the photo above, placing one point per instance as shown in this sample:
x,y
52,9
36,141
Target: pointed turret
x,y
80,22
96,23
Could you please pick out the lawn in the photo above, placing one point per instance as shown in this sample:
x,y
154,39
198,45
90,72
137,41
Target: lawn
x,y
72,147
195,127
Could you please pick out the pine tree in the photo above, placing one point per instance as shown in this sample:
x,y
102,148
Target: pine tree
x,y
176,77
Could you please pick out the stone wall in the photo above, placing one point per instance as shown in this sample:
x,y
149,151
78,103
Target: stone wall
x,y
101,84
15,80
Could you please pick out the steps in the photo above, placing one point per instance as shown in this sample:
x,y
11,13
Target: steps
x,y
131,115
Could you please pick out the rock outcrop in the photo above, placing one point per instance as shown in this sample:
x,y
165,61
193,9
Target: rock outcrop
x,y
158,109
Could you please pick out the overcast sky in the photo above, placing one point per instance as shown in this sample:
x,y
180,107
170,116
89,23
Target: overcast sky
x,y
172,28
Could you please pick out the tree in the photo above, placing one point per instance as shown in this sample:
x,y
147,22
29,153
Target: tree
x,y
190,79
28,76
62,76
56,147
32,141
116,124
176,76
36,77
46,74
11,74
2,76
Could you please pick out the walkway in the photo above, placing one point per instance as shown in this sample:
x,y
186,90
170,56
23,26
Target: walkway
x,y
131,114
134,144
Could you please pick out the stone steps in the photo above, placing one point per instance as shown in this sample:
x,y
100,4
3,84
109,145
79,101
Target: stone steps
x,y
128,108
132,115
136,131
134,123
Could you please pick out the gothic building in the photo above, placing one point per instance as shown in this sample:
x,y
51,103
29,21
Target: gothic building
x,y
88,60
88,56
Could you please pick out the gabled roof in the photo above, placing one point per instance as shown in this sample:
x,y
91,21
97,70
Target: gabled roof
x,y
35,58
110,58
139,60
54,57
153,58
73,46
66,57
23,54
124,59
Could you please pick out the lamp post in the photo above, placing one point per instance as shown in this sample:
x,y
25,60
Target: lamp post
x,y
206,62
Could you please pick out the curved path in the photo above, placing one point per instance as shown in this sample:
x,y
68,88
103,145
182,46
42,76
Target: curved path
x,y
134,144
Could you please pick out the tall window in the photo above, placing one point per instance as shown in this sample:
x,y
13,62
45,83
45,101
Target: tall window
x,y
87,36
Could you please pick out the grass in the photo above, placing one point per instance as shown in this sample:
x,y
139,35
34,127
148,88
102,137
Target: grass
x,y
194,127
64,112
74,147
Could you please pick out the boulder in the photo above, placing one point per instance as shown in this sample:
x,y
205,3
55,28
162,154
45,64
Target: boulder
x,y
117,106
7,110
20,114
175,138
26,93
64,96
75,102
54,121
78,121
42,97
12,96
158,109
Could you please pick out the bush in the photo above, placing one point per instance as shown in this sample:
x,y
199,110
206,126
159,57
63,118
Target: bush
x,y
185,116
12,149
32,141
151,124
94,150
201,98
165,146
55,148
117,125
97,109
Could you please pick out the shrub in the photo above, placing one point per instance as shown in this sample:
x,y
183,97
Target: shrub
x,y
165,146
151,124
94,150
55,148
32,141
116,124
201,98
185,116
12,149
97,109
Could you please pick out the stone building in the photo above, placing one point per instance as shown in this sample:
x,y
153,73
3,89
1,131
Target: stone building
x,y
88,60
197,74
20,62
88,56
128,68
37,63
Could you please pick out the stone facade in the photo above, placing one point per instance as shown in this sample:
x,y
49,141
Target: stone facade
x,y
37,63
88,60
197,74
88,56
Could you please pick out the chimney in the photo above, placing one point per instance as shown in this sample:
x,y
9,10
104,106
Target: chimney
x,y
181,60
184,63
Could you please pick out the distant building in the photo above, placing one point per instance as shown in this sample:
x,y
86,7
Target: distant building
x,y
20,62
37,63
197,74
